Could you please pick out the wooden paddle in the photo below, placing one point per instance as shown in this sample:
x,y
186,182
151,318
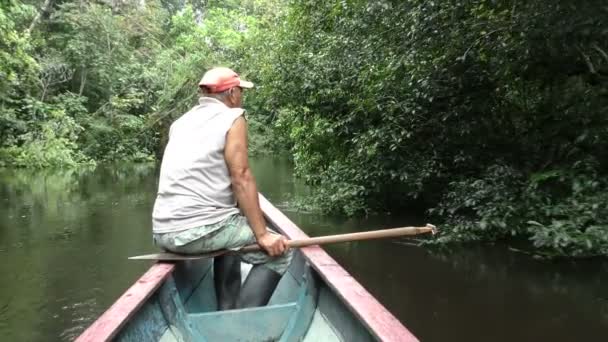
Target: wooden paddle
x,y
320,240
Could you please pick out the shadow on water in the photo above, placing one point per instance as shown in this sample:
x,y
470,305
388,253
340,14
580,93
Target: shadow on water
x,y
65,236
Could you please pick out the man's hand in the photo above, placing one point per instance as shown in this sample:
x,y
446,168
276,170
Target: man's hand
x,y
273,244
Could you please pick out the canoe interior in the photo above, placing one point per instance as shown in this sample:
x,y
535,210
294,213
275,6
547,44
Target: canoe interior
x,y
303,308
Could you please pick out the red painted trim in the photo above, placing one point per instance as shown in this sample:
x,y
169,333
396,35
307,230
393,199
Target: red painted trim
x,y
374,315
110,323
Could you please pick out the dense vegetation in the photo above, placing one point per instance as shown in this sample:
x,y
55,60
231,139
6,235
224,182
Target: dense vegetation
x,y
87,81
491,114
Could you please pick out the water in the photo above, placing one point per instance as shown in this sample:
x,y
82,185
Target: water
x,y
65,236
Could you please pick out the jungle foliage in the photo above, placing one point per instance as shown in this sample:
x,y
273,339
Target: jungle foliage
x,y
89,81
492,115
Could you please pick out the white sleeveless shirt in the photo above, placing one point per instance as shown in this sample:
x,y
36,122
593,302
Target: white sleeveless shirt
x,y
194,185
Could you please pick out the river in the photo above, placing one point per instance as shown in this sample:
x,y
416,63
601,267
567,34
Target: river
x,y
65,237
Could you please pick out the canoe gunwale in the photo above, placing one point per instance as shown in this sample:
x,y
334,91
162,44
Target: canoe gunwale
x,y
109,324
380,322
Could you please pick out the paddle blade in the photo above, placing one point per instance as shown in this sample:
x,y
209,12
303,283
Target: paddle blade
x,y
166,256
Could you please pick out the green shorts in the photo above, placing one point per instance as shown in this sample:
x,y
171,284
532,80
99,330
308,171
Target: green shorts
x,y
231,233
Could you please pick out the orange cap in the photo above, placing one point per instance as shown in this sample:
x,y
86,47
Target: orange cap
x,y
220,79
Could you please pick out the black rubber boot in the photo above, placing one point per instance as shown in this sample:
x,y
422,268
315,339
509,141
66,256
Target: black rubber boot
x,y
258,287
227,279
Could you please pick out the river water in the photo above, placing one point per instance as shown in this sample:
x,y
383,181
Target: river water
x,y
65,237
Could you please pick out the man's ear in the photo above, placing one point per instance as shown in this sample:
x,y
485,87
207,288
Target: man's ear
x,y
233,95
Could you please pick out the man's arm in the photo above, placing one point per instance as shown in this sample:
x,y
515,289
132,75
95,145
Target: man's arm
x,y
245,188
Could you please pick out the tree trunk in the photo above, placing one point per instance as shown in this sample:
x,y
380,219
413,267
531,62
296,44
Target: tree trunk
x,y
45,8
83,81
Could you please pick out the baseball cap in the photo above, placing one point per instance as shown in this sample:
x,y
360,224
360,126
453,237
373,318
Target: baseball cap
x,y
220,79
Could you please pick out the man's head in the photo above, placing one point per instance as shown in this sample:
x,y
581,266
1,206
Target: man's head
x,y
225,85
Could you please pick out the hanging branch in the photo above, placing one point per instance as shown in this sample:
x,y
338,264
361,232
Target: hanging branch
x,y
53,73
587,60
600,51
464,55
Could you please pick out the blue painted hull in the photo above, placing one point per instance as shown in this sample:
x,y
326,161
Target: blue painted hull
x,y
184,309
316,300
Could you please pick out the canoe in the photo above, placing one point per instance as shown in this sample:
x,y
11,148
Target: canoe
x,y
316,300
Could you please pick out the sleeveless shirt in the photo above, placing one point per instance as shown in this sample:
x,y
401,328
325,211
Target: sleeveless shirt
x,y
194,186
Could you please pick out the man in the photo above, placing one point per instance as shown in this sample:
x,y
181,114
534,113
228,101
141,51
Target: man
x,y
204,174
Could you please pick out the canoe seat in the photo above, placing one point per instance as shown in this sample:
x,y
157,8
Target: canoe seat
x,y
279,322
253,324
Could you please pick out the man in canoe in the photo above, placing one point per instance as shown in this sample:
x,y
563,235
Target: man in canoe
x,y
204,174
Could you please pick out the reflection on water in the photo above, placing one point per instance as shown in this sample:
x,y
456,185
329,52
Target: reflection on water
x,y
64,239
65,236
